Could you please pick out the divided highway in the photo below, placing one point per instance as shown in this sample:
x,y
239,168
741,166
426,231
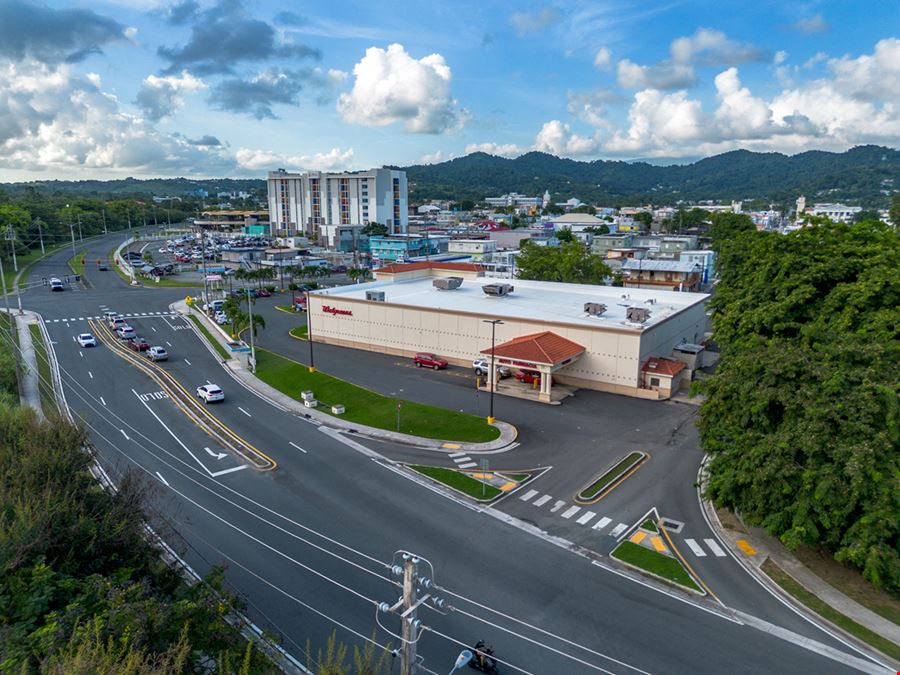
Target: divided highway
x,y
308,542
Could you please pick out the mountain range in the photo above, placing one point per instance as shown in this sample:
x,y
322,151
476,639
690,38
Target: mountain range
x,y
865,175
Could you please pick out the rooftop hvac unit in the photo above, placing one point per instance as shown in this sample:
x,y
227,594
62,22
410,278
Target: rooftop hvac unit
x,y
497,289
637,314
447,283
375,296
594,308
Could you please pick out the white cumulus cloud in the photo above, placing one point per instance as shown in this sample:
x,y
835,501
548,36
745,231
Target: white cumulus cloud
x,y
267,160
391,86
663,75
713,47
557,138
501,149
159,97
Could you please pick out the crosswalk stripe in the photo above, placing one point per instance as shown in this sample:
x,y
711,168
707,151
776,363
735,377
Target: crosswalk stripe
x,y
600,524
468,465
696,548
81,318
557,506
571,511
543,500
464,458
457,454
715,548
618,529
143,313
583,520
528,495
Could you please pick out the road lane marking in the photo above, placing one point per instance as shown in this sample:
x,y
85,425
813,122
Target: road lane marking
x,y
231,470
102,400
80,353
557,506
81,318
457,454
168,343
165,482
543,500
468,465
244,411
745,547
600,524
297,446
695,548
584,519
187,362
618,529
124,434
528,495
715,548
91,374
153,328
217,455
571,511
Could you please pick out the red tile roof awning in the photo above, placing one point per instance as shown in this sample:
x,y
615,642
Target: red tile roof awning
x,y
413,267
546,348
663,366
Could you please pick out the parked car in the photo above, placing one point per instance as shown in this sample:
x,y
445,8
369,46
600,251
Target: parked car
x,y
529,376
109,315
157,354
209,393
139,344
86,340
483,366
429,361
221,318
126,332
263,293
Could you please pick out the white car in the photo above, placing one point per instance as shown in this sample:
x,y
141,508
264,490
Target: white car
x,y
210,392
221,318
157,354
86,340
483,366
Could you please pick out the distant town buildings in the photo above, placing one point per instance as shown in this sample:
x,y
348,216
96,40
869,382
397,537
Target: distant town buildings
x,y
517,200
301,203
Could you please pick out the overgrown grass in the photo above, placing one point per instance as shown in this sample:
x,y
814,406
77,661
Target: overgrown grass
x,y
24,262
610,476
209,336
300,332
458,481
789,584
369,408
45,383
655,563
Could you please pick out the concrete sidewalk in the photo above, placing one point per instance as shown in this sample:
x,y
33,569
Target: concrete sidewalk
x,y
508,432
766,547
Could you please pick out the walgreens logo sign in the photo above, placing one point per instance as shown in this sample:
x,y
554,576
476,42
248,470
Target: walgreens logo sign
x,y
328,309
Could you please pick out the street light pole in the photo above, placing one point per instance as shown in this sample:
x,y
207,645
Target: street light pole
x,y
252,345
493,374
312,363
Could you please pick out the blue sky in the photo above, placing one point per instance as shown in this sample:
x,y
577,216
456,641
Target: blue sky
x,y
236,87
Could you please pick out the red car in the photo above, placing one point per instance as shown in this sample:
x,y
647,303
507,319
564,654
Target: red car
x,y
263,293
529,376
429,361
139,344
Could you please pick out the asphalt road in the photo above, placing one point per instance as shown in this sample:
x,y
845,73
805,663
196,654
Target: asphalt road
x,y
309,544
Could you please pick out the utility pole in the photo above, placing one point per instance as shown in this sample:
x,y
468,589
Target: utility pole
x,y
72,232
80,235
11,235
493,374
104,221
40,235
252,347
12,327
408,617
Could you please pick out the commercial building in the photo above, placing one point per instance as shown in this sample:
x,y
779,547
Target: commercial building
x,y
596,337
474,248
301,203
668,275
248,222
839,213
515,199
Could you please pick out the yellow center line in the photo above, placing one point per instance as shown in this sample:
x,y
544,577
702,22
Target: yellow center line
x,y
685,563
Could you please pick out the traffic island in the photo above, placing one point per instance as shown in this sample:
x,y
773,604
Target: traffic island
x,y
648,553
484,488
607,481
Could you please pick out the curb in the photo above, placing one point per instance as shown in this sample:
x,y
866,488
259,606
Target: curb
x,y
508,432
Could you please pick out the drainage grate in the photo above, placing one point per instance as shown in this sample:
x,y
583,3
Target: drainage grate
x,y
671,525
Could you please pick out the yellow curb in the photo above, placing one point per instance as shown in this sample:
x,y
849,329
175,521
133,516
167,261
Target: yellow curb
x,y
286,311
482,476
508,486
658,544
638,537
451,446
685,562
745,547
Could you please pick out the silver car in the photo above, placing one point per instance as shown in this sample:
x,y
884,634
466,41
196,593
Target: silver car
x,y
482,366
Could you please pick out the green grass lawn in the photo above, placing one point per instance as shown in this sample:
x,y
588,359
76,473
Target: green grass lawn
x,y
518,477
209,336
789,584
367,407
458,481
45,384
650,526
656,563
609,477
24,261
300,331
75,264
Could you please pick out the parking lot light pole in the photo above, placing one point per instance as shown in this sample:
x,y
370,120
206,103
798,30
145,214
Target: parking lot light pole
x,y
493,374
312,363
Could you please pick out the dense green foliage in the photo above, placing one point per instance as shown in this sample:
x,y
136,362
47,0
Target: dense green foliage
x,y
81,588
858,175
571,262
801,416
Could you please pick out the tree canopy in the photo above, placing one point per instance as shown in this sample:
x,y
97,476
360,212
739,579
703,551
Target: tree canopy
x,y
571,262
801,417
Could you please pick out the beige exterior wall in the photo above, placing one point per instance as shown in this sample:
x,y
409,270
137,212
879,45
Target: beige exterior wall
x,y
611,361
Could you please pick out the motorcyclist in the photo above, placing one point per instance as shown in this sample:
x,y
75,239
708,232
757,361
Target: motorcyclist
x,y
481,655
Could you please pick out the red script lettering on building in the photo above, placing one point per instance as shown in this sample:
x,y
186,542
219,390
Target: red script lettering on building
x,y
328,309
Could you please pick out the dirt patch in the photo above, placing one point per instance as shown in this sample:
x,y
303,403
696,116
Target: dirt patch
x,y
730,521
849,582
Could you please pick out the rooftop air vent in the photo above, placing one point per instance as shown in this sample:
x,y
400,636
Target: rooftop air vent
x,y
375,296
594,308
447,283
637,314
497,289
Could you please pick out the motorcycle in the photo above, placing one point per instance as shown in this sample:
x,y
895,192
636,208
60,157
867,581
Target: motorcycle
x,y
486,664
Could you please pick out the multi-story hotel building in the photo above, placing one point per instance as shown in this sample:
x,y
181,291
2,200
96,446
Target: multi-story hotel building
x,y
300,203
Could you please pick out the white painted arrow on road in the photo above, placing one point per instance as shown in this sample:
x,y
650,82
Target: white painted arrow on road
x,y
217,455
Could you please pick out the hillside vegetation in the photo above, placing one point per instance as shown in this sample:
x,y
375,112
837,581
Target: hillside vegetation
x,y
801,418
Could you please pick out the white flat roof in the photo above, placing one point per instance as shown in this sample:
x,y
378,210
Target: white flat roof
x,y
535,300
